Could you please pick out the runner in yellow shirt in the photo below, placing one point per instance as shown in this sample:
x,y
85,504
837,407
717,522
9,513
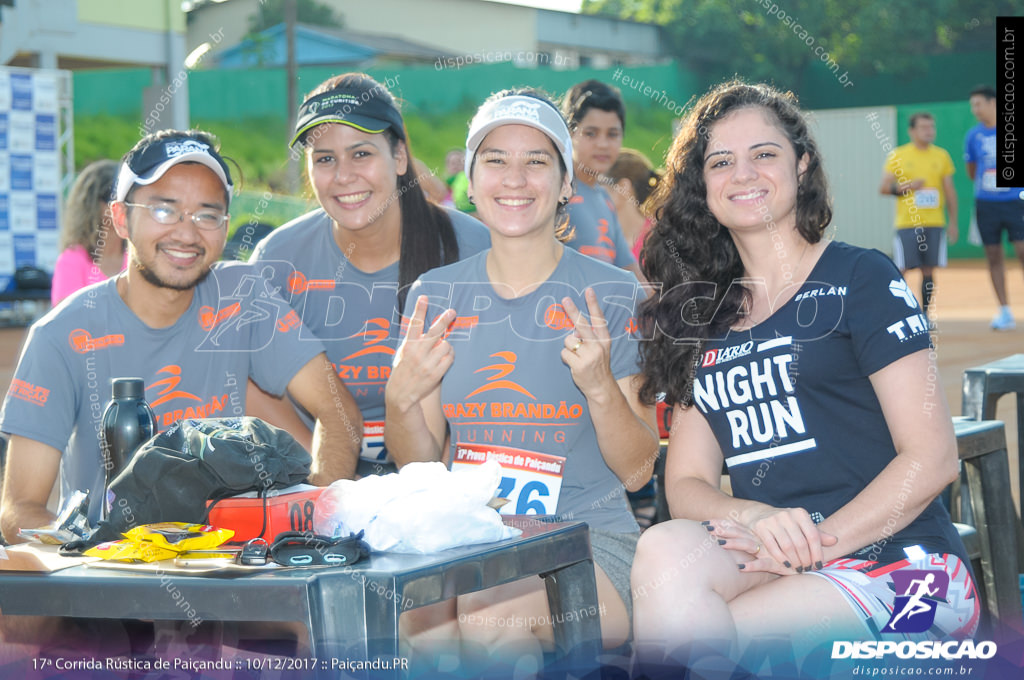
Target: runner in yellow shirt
x,y
920,175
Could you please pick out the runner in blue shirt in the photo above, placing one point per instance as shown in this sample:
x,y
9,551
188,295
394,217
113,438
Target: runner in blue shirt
x,y
997,209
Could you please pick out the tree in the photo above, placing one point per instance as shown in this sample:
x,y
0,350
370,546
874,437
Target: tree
x,y
271,13
777,40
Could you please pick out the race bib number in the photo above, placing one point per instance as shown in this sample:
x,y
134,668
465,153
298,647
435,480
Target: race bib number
x,y
373,441
988,181
530,481
926,198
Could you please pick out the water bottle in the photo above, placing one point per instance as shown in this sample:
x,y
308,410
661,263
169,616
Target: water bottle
x,y
128,422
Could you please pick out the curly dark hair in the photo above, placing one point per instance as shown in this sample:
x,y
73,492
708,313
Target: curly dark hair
x,y
693,257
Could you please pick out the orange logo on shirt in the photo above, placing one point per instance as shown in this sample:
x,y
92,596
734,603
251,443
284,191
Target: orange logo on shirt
x,y
462,323
556,318
373,337
26,391
602,227
605,248
298,283
497,381
291,320
170,384
632,326
82,342
209,318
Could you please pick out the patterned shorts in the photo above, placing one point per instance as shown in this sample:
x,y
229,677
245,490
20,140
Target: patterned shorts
x,y
871,590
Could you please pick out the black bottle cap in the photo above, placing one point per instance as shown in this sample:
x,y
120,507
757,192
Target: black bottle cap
x,y
128,388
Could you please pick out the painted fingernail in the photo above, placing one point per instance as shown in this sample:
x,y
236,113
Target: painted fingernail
x,y
742,566
721,542
817,565
704,522
709,527
799,570
788,565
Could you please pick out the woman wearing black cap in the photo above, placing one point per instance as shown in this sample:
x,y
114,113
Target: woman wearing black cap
x,y
523,354
345,267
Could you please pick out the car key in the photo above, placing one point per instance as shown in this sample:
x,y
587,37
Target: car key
x,y
254,552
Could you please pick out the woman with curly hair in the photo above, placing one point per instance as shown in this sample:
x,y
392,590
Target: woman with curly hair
x,y
90,249
805,365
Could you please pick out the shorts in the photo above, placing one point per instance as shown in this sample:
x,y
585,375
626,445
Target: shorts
x,y
614,553
915,247
870,590
995,216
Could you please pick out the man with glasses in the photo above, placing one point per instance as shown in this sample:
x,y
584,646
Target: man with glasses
x,y
193,328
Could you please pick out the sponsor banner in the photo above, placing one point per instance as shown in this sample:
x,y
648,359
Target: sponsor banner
x,y
45,173
23,212
31,171
46,211
21,132
24,250
21,91
44,93
46,132
21,172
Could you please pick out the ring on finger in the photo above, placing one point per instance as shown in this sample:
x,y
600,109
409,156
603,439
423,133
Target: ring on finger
x,y
757,549
579,343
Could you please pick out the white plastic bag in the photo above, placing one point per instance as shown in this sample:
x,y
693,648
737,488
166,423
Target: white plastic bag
x,y
423,508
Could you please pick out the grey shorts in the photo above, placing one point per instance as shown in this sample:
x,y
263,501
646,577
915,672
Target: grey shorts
x,y
614,552
916,247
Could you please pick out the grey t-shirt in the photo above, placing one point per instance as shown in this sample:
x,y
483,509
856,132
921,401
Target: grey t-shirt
x,y
234,329
509,396
597,230
354,313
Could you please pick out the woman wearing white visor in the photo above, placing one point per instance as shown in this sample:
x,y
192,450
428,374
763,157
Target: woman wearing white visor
x,y
524,354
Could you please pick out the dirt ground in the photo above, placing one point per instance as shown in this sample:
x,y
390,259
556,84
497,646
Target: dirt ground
x,y
964,306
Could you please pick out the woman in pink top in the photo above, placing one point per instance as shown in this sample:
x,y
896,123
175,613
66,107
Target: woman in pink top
x,y
632,180
90,249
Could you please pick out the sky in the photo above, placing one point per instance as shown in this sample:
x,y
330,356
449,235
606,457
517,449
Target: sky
x,y
563,5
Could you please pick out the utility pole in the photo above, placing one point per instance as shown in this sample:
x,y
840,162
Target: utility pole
x,y
292,76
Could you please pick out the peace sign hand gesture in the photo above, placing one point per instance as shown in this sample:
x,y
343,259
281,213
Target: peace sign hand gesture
x,y
587,350
422,359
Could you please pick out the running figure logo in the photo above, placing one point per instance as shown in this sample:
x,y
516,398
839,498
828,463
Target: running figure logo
x,y
922,591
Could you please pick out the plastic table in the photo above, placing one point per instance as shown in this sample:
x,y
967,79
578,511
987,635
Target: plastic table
x,y
347,611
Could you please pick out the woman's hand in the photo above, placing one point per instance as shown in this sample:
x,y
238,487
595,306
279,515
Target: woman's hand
x,y
784,539
587,350
422,359
751,555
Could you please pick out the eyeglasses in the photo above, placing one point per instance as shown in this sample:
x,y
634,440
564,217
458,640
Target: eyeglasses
x,y
207,220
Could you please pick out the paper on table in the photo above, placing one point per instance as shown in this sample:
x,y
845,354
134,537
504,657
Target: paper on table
x,y
35,557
